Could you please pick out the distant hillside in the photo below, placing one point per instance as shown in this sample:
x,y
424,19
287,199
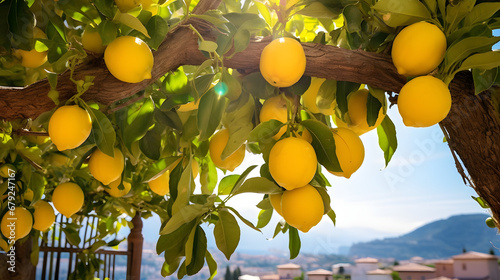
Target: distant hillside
x,y
439,239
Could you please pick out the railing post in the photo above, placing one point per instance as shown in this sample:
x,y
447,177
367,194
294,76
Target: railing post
x,y
135,241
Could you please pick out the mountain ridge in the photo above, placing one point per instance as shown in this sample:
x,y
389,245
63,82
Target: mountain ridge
x,y
435,240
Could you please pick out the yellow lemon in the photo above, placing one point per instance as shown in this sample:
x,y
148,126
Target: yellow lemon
x,y
275,200
104,168
190,106
217,145
357,112
7,170
44,215
150,5
126,5
17,223
69,127
302,208
129,59
92,41
160,185
292,162
195,169
418,49
310,98
424,101
275,108
33,58
68,198
114,191
283,62
349,150
303,133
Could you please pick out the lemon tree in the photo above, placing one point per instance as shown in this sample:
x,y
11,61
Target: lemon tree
x,y
162,121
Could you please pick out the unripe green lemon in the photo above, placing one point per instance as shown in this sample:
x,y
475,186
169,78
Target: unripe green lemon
x,y
418,49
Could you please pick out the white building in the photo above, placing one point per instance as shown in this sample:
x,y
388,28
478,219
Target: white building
x,y
363,265
320,274
289,271
379,274
474,265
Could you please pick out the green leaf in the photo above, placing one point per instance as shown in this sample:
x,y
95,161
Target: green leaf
x,y
257,86
353,18
198,251
157,28
139,119
455,12
265,130
402,13
21,23
212,265
327,94
108,31
184,189
210,111
326,199
264,217
105,7
343,90
247,222
373,106
173,244
159,167
150,144
293,242
4,23
239,123
103,132
257,185
215,17
168,118
323,144
131,21
483,80
300,87
481,202
481,61
387,138
226,233
207,46
233,85
317,10
462,49
227,183
481,12
331,214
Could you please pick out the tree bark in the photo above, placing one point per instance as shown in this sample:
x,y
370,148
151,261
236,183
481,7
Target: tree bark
x,y
472,125
21,268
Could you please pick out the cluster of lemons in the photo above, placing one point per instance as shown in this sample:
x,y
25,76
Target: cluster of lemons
x,y
416,51
128,59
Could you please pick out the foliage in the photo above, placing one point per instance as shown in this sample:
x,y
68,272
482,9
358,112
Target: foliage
x,y
156,135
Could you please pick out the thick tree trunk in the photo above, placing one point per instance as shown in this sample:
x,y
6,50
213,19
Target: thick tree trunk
x,y
473,132
472,126
16,264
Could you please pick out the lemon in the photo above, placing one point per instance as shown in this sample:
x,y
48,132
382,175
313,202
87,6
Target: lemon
x,y
126,5
129,59
59,160
7,170
303,133
33,58
490,222
68,198
44,215
302,208
349,150
292,162
275,200
160,185
282,62
275,108
217,145
188,107
104,168
418,49
195,169
114,191
424,101
357,112
150,5
92,41
17,223
28,195
69,127
310,98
